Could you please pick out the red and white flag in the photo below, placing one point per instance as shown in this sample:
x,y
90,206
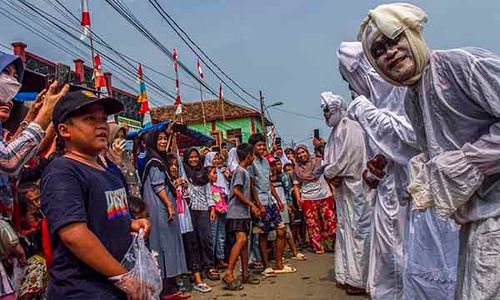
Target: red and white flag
x,y
178,102
200,71
99,79
85,19
221,92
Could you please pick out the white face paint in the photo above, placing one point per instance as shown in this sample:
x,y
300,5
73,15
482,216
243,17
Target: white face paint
x,y
333,110
9,87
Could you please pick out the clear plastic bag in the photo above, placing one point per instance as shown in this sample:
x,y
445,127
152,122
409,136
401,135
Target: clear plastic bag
x,y
142,266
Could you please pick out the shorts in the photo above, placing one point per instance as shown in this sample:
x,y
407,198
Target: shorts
x,y
272,220
238,225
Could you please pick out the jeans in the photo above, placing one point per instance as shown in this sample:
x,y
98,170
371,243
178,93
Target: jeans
x,y
219,236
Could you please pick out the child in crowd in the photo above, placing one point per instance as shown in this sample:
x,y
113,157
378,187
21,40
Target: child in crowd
x,y
238,219
219,196
297,224
33,281
265,196
86,206
283,184
202,209
191,249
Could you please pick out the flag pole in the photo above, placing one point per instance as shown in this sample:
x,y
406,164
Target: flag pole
x,y
203,107
200,73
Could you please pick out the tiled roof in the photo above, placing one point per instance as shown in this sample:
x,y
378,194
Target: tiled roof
x,y
192,111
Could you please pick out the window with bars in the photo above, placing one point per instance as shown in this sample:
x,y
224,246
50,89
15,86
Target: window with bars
x,y
234,134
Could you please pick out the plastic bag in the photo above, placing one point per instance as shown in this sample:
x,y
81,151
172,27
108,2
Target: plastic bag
x,y
141,265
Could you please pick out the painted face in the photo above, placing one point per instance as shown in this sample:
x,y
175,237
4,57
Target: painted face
x,y
212,175
173,169
87,131
302,154
260,149
217,161
193,159
162,142
394,57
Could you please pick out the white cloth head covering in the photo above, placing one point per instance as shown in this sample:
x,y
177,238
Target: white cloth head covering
x,y
365,81
392,20
232,160
336,106
209,158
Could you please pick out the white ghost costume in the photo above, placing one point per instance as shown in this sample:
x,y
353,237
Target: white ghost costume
x,y
429,266
344,157
454,108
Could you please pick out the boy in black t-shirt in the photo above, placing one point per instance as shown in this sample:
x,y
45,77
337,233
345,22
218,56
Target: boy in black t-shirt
x,y
87,206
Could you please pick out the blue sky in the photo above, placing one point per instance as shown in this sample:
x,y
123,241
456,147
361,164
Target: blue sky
x,y
286,48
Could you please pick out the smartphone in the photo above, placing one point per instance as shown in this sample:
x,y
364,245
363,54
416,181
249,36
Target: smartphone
x,y
278,141
179,128
316,134
63,74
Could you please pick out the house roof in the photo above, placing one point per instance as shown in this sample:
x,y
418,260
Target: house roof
x,y
192,112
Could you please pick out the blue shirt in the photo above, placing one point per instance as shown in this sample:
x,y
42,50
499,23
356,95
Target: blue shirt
x,y
260,171
235,208
74,192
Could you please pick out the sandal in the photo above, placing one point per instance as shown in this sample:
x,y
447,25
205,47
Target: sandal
x,y
213,275
286,270
299,256
269,272
232,285
202,287
250,279
177,296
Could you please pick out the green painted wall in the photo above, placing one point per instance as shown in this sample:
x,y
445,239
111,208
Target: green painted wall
x,y
245,124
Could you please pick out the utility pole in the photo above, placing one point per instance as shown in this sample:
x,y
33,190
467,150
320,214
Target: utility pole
x,y
262,115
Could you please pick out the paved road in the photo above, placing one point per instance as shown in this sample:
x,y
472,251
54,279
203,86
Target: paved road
x,y
313,280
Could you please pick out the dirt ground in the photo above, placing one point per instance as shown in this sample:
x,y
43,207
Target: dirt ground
x,y
313,280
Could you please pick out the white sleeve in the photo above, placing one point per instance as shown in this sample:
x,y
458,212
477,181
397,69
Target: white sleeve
x,y
392,133
349,156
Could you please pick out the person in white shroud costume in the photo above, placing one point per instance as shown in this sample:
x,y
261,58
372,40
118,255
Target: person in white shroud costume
x,y
453,105
430,244
344,159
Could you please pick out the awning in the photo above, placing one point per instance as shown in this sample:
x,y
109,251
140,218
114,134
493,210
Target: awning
x,y
191,138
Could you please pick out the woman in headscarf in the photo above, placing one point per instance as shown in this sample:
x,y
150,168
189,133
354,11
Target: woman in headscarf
x,y
379,109
202,207
453,106
316,199
15,154
232,160
344,160
160,196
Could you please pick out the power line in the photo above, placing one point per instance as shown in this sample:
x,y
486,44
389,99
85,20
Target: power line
x,y
170,22
130,72
297,114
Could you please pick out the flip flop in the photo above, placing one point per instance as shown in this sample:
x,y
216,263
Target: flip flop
x,y
269,272
299,256
286,270
202,288
233,285
250,279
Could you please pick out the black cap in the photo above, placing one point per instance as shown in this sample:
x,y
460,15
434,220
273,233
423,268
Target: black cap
x,y
76,100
